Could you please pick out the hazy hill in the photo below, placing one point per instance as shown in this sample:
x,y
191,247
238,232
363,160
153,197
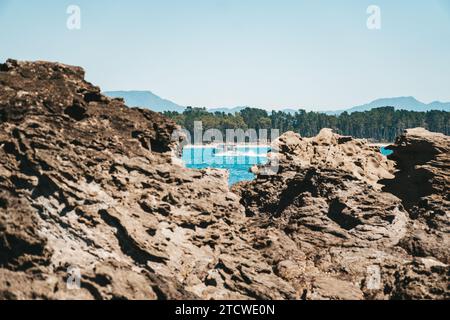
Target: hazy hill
x,y
405,103
145,99
148,99
227,109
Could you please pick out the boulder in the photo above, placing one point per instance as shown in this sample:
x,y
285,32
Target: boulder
x,y
349,213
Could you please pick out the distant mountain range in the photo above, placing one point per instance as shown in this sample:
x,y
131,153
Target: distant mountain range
x,y
405,103
147,99
228,110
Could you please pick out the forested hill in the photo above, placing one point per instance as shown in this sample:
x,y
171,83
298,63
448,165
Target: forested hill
x,y
380,124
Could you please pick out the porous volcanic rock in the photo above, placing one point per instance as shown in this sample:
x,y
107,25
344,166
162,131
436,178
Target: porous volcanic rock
x,y
335,152
354,239
422,183
88,184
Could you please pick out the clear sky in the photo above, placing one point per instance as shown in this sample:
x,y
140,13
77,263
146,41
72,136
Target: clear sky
x,y
281,53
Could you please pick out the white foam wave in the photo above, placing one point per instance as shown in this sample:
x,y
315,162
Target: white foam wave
x,y
241,154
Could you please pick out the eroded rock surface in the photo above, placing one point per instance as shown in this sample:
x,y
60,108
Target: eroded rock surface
x,y
356,240
88,185
422,183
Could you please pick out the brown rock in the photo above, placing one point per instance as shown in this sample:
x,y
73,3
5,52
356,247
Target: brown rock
x,y
89,186
354,239
88,183
422,183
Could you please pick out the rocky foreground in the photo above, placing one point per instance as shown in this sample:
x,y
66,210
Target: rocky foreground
x,y
91,185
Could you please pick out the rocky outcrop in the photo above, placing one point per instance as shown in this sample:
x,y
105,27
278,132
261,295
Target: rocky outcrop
x,y
91,190
88,184
422,183
331,151
355,239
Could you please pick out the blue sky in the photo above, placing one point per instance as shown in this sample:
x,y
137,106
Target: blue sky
x,y
316,54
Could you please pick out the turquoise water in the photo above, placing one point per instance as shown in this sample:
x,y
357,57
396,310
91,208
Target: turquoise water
x,y
386,152
238,162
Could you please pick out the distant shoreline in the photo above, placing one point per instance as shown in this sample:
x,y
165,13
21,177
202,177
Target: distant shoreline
x,y
380,144
255,145
215,145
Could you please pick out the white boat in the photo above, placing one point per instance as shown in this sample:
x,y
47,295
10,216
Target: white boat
x,y
224,148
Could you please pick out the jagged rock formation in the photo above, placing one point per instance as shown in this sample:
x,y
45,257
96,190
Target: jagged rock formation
x,y
86,182
422,183
327,198
89,184
335,152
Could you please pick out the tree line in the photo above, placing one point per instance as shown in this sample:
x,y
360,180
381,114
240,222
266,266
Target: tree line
x,y
379,124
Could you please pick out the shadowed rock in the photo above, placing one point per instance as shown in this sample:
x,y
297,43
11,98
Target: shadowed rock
x,y
422,183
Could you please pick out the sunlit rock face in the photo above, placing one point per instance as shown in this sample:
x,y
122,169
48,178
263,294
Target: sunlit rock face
x,y
348,211
89,183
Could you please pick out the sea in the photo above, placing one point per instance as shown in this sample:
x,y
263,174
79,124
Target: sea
x,y
385,151
237,160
